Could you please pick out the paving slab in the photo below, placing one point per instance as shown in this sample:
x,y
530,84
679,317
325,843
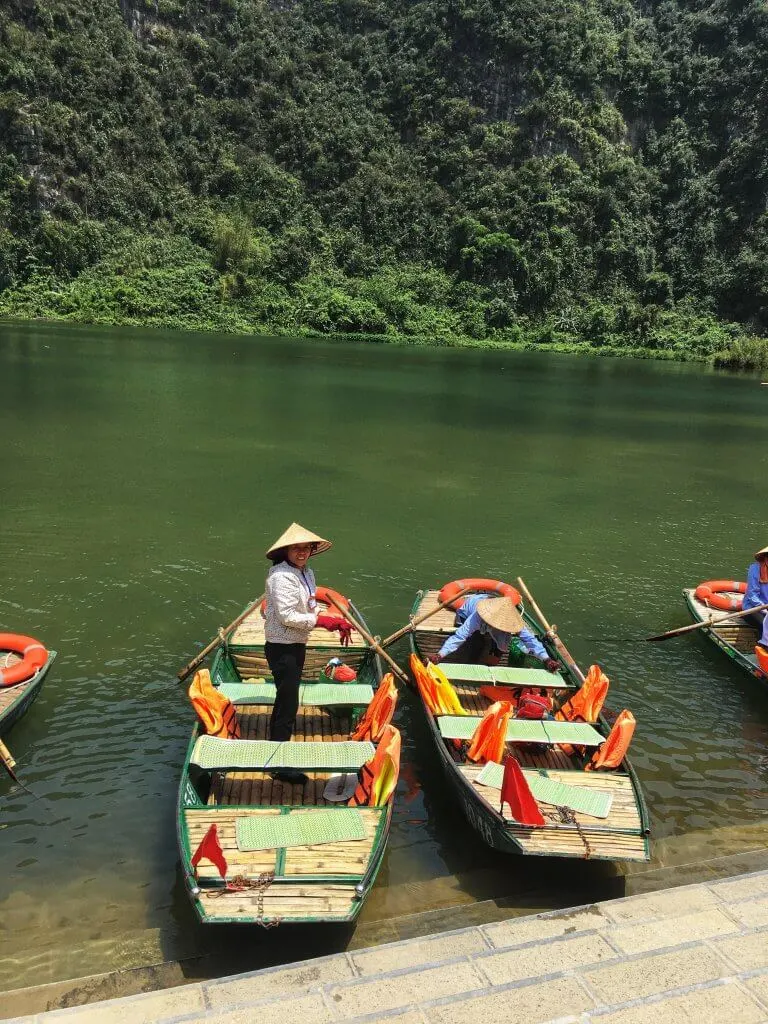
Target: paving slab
x,y
697,954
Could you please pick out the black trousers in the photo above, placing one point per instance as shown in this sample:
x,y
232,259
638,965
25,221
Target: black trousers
x,y
286,663
475,650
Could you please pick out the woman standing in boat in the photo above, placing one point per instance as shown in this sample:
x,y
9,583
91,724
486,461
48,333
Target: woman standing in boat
x,y
290,616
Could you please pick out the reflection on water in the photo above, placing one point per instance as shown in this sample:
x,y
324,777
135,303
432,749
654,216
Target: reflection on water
x,y
145,474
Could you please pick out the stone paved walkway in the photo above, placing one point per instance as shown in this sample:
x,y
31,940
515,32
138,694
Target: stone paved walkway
x,y
693,954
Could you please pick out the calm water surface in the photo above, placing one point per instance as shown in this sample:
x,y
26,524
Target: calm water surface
x,y
144,473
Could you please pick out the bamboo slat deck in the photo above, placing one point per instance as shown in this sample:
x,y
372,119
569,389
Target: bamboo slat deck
x,y
620,836
737,633
250,633
247,643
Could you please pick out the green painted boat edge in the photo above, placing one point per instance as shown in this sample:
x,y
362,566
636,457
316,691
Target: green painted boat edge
x,y
29,692
490,825
222,663
735,655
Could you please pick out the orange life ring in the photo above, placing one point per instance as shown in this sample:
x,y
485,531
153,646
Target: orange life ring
x,y
34,656
323,595
715,594
450,590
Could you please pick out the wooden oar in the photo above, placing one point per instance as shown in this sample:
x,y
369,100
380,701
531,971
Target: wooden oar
x,y
373,643
551,631
707,622
188,669
416,622
9,763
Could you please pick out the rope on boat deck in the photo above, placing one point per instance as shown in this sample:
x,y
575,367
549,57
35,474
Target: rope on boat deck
x,y
567,816
239,883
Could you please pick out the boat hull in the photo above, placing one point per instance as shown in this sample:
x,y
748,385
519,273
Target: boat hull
x,y
736,639
596,842
16,700
298,885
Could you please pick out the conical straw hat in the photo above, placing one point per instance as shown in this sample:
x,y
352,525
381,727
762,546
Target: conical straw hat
x,y
501,613
296,534
762,551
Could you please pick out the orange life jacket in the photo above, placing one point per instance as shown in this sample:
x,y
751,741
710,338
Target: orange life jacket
x,y
488,740
762,658
587,703
378,777
614,749
426,685
379,712
217,714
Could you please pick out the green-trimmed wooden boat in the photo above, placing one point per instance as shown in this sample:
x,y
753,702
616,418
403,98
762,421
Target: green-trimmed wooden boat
x,y
15,700
621,835
312,882
737,637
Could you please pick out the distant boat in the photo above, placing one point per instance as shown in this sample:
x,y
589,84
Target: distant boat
x,y
17,696
227,783
737,637
620,832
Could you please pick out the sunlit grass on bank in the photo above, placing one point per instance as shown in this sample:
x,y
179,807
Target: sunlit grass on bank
x,y
173,284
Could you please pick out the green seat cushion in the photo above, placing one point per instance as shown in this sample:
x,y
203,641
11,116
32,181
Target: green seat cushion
x,y
306,828
500,675
212,752
462,727
584,799
310,694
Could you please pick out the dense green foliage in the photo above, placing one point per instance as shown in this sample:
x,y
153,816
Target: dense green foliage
x,y
583,171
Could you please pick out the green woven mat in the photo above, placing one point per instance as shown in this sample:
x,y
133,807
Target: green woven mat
x,y
212,752
310,694
484,674
456,727
308,828
579,798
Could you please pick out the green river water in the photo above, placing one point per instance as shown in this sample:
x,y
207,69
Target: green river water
x,y
144,473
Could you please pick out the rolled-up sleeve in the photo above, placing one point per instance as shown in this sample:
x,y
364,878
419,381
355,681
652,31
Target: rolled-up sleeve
x,y
533,645
284,593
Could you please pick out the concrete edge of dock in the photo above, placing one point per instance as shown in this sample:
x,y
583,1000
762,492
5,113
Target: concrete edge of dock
x,y
697,952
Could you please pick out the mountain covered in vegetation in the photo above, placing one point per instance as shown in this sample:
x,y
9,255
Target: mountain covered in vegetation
x,y
489,170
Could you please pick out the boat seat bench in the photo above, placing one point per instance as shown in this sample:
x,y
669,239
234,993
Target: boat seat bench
x,y
316,695
462,727
213,753
500,675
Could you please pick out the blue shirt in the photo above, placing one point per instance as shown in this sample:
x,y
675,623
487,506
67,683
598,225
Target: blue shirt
x,y
469,622
757,592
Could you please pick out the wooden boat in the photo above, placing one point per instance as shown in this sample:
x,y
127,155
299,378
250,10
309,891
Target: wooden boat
x,y
15,700
314,882
737,637
621,835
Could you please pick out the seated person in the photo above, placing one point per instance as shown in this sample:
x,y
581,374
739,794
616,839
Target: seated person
x,y
757,592
486,626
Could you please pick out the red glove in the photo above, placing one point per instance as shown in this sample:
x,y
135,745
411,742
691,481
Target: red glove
x,y
434,659
552,665
334,622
